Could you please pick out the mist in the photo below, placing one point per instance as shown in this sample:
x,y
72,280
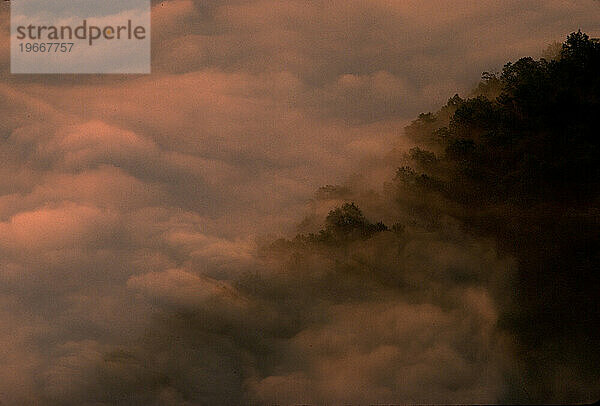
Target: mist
x,y
267,219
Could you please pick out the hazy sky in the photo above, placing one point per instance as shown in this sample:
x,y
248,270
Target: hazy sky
x,y
119,194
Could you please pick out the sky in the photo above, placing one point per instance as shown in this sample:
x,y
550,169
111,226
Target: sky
x,y
130,202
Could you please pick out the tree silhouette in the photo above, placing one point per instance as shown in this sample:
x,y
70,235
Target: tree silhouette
x,y
521,162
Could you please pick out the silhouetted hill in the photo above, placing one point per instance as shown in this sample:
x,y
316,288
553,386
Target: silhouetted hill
x,y
517,163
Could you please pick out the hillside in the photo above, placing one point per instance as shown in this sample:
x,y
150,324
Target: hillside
x,y
515,166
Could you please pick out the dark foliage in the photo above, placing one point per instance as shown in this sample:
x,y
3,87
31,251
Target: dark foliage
x,y
522,167
515,163
344,224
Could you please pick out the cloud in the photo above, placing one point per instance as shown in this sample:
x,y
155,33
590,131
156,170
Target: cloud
x,y
384,352
132,210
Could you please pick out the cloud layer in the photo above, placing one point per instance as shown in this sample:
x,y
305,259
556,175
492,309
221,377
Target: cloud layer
x,y
132,209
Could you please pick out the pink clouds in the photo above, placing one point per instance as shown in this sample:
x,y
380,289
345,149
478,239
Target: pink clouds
x,y
51,228
131,206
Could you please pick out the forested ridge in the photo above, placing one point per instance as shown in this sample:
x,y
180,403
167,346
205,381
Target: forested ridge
x,y
522,166
516,163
